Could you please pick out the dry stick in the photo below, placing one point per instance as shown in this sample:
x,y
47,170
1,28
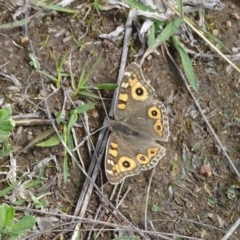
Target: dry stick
x,y
231,230
124,196
103,227
111,216
77,150
26,116
92,173
95,218
87,221
119,192
114,213
204,225
203,115
162,236
32,122
147,197
86,128
152,233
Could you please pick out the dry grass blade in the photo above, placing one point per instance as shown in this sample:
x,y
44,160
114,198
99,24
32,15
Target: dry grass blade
x,y
231,230
147,197
32,122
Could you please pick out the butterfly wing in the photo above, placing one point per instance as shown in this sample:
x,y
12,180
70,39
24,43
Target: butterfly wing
x,y
128,154
139,121
119,159
133,93
151,119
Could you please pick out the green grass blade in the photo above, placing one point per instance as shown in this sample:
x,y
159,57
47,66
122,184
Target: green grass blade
x,y
6,123
9,216
221,45
48,75
88,94
12,186
84,78
108,86
72,120
53,141
180,8
167,32
84,108
187,65
16,24
59,9
62,62
70,144
138,5
82,81
92,69
65,158
151,37
34,62
34,183
3,210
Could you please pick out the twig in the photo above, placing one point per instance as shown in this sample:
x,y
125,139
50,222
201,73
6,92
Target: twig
x,y
32,122
87,220
202,224
162,236
95,218
77,149
231,230
124,196
147,197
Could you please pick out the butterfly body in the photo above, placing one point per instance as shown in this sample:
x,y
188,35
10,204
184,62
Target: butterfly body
x,y
139,122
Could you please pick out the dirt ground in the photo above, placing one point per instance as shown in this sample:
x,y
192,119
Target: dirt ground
x,y
194,192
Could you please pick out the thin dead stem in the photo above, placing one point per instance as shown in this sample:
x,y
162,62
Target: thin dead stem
x,y
147,197
231,230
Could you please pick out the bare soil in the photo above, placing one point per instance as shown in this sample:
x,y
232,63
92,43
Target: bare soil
x,y
194,191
